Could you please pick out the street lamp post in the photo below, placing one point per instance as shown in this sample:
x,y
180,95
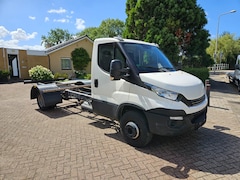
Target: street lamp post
x,y
216,44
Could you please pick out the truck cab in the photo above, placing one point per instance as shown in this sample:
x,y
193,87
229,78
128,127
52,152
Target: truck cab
x,y
135,83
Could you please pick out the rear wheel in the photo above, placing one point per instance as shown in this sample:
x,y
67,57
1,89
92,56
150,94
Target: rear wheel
x,y
134,129
41,103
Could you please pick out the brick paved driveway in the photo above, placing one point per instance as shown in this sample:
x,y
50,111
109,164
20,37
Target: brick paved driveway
x,y
66,144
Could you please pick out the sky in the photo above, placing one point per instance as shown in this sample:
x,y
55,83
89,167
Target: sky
x,y
22,23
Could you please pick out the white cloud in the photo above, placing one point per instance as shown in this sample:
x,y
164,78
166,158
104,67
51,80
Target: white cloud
x,y
36,47
80,24
72,12
14,44
46,19
11,39
10,43
20,34
32,17
3,32
57,11
61,20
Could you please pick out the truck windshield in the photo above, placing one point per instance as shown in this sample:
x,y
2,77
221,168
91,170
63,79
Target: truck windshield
x,y
147,58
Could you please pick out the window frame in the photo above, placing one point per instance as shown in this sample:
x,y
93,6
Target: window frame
x,y
113,49
63,65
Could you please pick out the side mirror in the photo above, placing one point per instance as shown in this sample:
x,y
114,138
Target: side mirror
x,y
116,69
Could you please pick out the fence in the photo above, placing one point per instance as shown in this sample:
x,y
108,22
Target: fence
x,y
219,67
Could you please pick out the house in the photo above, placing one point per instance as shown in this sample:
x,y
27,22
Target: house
x,y
56,58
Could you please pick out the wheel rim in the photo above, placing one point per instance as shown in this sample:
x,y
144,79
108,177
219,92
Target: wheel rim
x,y
132,130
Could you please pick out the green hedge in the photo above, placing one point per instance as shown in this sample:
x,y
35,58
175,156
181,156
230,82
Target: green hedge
x,y
201,73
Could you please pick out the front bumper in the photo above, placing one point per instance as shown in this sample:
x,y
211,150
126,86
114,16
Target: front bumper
x,y
168,122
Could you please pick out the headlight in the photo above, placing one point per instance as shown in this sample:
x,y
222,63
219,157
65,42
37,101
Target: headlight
x,y
163,92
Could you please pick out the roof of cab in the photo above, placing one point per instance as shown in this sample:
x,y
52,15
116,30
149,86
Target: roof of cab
x,y
119,39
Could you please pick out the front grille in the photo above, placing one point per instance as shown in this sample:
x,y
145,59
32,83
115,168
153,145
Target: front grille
x,y
193,102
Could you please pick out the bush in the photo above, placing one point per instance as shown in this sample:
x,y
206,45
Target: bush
x,y
201,73
40,73
82,75
4,75
60,76
87,76
80,59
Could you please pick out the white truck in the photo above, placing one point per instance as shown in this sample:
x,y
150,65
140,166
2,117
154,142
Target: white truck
x,y
234,77
134,83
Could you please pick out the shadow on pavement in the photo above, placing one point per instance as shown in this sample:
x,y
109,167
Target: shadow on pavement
x,y
54,113
223,87
63,110
208,150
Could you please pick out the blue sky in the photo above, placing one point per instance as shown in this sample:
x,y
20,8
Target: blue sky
x,y
22,23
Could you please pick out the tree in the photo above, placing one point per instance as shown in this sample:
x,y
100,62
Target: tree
x,y
176,25
80,59
107,28
227,50
91,32
111,27
56,36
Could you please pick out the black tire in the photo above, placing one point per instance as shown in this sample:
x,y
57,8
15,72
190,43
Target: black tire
x,y
238,86
41,103
134,129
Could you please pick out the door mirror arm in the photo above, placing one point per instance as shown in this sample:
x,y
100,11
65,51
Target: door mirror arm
x,y
117,71
125,72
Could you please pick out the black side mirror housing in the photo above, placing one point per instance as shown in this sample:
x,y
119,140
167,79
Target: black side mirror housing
x,y
116,69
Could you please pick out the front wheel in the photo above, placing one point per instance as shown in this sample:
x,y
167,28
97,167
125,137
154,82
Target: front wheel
x,y
134,129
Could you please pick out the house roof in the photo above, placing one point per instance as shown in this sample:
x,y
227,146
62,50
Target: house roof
x,y
67,43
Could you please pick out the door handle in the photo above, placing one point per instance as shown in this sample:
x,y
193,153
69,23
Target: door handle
x,y
96,82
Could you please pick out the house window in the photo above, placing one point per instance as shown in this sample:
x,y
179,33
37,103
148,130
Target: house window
x,y
66,64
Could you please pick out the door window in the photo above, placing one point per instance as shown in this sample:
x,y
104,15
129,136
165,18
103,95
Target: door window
x,y
108,52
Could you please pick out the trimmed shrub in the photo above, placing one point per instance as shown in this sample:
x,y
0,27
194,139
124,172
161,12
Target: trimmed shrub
x,y
60,76
201,73
40,73
4,75
80,59
87,76
82,75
